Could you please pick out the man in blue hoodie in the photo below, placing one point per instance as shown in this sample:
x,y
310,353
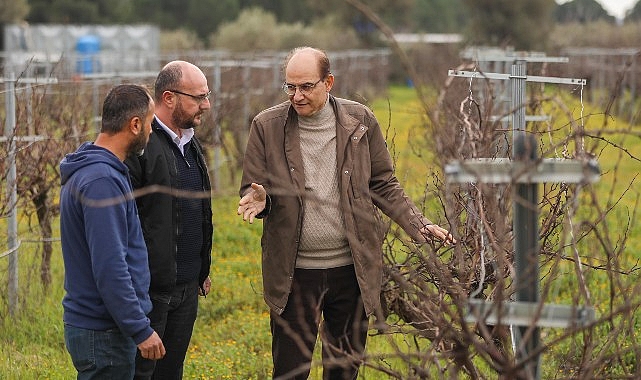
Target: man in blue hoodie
x,y
105,257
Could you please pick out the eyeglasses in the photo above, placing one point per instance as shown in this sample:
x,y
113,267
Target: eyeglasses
x,y
198,98
305,88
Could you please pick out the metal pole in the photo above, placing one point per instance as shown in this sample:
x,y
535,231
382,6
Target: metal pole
x,y
525,225
12,193
95,105
246,107
524,172
217,127
30,126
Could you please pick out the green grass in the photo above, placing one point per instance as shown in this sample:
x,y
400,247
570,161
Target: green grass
x,y
32,343
231,339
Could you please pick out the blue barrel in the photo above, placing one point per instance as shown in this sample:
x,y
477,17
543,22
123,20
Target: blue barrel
x,y
87,48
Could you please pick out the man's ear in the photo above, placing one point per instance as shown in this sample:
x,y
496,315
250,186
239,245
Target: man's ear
x,y
329,81
169,98
135,125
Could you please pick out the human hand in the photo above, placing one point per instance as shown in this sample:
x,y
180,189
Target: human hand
x,y
435,231
152,347
206,286
252,203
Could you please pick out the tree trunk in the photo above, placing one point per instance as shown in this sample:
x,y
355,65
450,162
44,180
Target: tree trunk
x,y
43,211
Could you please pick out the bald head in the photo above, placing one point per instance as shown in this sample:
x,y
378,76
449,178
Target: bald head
x,y
182,95
308,56
176,75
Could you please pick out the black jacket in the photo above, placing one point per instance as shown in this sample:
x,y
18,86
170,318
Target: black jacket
x,y
159,212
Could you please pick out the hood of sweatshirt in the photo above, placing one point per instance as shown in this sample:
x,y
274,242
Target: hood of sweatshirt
x,y
88,154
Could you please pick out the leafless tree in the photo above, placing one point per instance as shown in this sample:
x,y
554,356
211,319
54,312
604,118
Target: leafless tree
x,y
584,231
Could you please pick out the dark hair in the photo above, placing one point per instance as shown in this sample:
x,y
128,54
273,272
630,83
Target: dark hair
x,y
168,78
123,103
323,60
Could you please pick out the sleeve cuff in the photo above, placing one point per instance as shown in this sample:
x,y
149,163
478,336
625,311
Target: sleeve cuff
x,y
267,209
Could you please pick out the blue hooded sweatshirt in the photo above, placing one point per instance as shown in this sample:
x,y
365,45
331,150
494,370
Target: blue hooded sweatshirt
x,y
105,257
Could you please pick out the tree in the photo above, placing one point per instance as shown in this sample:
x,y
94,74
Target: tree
x,y
439,16
82,11
522,24
203,17
13,11
117,11
634,14
63,11
200,16
61,120
427,288
255,29
204,23
582,11
395,16
285,11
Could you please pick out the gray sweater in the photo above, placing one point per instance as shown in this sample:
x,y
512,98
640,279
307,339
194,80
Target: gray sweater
x,y
323,242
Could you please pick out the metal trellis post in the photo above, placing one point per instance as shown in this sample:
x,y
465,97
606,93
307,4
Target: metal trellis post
x,y
11,139
525,171
12,192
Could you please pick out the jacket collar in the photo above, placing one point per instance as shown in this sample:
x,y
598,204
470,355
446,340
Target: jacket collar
x,y
343,119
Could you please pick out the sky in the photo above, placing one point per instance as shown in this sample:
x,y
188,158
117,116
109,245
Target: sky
x,y
616,8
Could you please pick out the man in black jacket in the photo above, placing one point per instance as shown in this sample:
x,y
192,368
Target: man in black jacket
x,y
176,215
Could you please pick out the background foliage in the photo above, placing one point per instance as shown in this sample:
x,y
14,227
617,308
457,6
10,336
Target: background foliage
x,y
522,23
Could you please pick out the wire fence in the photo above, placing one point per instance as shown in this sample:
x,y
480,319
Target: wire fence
x,y
614,77
241,85
50,114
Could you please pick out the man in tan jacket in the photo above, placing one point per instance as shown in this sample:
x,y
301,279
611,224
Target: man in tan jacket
x,y
315,169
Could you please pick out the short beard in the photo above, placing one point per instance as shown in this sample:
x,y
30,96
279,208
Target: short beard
x,y
137,146
180,118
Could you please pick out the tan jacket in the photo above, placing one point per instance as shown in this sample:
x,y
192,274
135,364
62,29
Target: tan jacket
x,y
366,182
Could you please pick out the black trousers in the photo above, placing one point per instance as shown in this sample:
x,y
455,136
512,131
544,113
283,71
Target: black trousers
x,y
172,317
325,298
